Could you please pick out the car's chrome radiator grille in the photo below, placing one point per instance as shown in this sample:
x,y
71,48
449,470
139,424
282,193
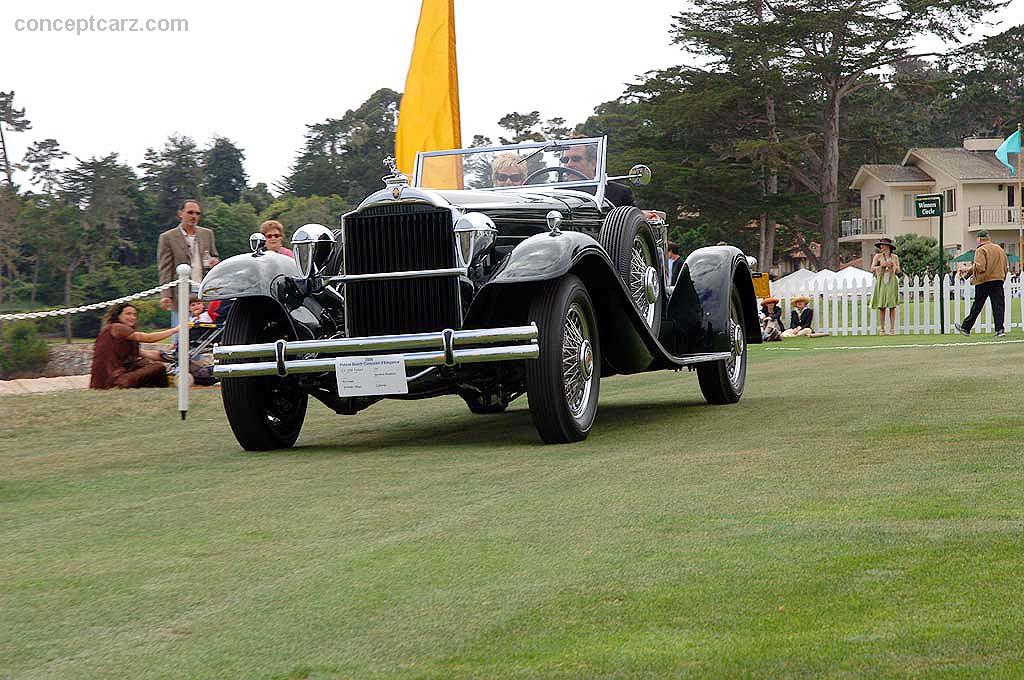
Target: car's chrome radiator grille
x,y
396,238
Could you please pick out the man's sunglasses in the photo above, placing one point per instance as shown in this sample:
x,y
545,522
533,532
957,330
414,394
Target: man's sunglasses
x,y
571,159
502,177
274,236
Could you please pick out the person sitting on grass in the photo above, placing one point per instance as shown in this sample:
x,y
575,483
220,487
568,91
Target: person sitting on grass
x,y
771,322
800,319
117,359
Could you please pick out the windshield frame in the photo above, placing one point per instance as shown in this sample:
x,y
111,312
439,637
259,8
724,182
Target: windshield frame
x,y
600,173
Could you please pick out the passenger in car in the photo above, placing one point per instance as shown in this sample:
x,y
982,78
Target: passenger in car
x,y
583,159
508,170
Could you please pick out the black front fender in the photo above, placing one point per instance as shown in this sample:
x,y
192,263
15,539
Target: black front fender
x,y
629,346
699,307
543,257
269,276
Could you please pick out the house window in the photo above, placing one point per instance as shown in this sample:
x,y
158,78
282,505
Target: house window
x,y
949,201
875,207
908,205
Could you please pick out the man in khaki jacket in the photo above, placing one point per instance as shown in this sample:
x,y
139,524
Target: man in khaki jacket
x,y
187,243
987,274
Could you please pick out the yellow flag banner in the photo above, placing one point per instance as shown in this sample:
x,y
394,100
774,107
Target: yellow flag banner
x,y
428,117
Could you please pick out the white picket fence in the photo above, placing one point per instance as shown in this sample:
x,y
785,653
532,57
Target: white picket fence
x,y
841,307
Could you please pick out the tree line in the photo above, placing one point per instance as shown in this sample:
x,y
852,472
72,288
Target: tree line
x,y
752,141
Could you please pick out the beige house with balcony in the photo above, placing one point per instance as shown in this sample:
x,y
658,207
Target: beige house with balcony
x,y
978,193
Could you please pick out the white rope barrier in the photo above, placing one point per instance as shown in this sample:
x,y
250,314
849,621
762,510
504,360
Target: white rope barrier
x,y
87,308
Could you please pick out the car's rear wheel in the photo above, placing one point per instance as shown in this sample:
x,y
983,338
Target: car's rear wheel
x,y
722,382
633,250
564,382
265,412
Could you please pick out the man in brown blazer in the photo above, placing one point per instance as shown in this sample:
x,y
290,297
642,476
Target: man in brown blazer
x,y
187,243
987,274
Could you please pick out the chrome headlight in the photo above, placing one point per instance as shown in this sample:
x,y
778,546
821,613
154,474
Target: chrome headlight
x,y
312,245
474,234
258,244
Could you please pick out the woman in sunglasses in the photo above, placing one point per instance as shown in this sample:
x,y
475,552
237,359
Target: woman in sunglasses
x,y
273,231
508,170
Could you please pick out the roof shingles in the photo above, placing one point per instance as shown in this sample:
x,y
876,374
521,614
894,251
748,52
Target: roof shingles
x,y
895,174
963,164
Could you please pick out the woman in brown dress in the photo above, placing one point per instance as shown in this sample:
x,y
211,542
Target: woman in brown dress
x,y
117,359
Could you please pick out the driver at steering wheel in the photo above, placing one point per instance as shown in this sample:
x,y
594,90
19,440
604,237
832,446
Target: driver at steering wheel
x,y
583,159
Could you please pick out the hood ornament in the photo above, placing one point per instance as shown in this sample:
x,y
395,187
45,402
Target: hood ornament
x,y
394,179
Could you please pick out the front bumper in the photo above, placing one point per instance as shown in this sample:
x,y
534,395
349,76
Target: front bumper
x,y
445,348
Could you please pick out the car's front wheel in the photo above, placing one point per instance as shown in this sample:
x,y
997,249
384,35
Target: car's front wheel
x,y
722,381
563,383
265,412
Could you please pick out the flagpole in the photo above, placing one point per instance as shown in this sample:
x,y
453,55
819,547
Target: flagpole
x,y
1020,215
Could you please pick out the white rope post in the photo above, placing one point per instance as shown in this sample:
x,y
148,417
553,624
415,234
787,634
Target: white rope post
x,y
184,291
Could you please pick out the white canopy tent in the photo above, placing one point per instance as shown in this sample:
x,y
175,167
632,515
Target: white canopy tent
x,y
790,283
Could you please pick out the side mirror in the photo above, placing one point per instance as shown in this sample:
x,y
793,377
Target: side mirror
x,y
640,175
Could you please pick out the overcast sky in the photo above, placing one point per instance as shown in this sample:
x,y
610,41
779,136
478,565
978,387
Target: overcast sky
x,y
260,74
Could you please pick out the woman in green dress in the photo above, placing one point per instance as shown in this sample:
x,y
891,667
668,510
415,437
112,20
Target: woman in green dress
x,y
885,265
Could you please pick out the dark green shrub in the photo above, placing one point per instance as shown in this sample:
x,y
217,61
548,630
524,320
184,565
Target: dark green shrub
x,y
21,348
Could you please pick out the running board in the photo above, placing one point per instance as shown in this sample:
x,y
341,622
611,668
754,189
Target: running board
x,y
702,358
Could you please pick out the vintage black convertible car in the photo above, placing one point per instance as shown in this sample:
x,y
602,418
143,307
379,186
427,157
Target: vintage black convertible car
x,y
497,272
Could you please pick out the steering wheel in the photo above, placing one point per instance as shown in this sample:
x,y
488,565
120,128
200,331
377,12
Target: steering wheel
x,y
560,169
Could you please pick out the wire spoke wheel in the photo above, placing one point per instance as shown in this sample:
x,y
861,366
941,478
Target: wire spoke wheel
x,y
641,279
734,365
577,361
633,251
563,383
722,382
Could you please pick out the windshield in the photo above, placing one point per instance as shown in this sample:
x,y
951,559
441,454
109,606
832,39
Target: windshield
x,y
567,163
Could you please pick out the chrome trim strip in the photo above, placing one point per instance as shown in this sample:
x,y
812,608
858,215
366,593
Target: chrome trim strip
x,y
435,358
415,274
376,343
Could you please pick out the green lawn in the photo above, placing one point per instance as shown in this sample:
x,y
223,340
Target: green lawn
x,y
858,513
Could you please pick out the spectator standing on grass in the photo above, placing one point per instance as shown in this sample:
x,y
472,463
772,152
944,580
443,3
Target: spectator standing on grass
x,y
187,243
800,319
987,274
885,265
117,359
675,262
273,231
